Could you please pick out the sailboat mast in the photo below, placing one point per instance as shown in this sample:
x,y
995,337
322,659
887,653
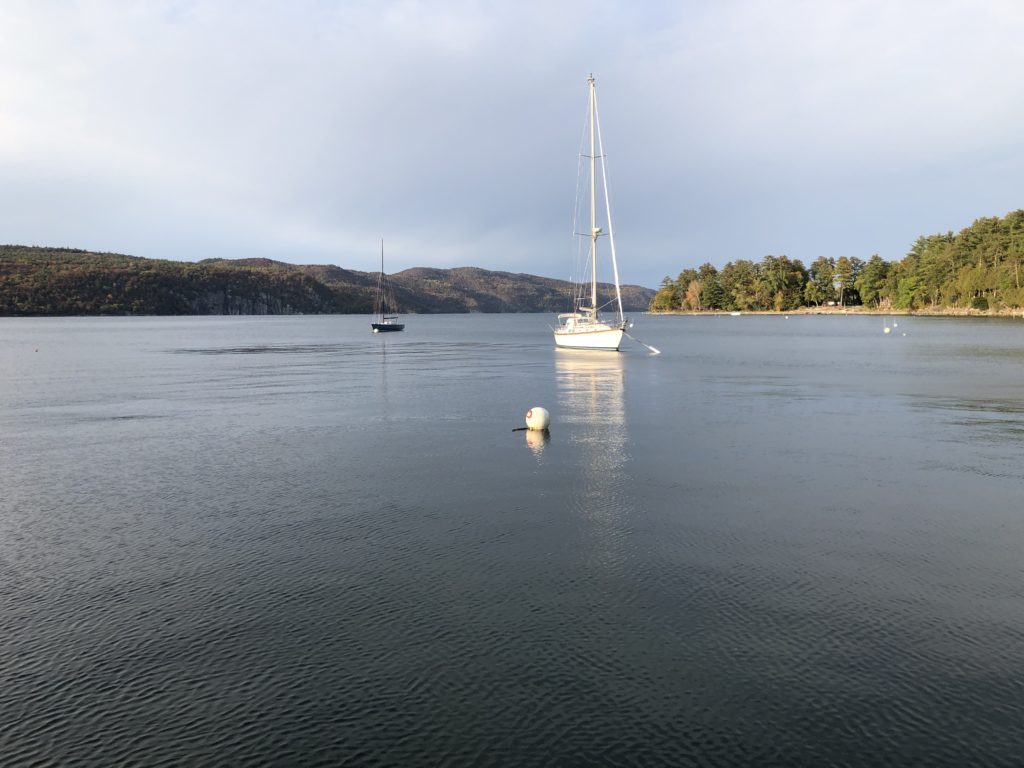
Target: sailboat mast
x,y
594,231
608,210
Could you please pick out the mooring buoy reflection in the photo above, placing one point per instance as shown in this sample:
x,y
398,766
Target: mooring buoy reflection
x,y
536,440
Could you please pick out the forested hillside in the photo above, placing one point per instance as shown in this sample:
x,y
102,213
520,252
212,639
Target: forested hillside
x,y
61,281
977,269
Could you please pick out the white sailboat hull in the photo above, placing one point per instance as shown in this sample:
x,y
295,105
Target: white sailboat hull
x,y
607,338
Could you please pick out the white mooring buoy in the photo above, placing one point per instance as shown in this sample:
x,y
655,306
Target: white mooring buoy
x,y
537,418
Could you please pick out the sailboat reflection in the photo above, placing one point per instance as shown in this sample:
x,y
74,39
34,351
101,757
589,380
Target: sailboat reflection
x,y
590,397
384,373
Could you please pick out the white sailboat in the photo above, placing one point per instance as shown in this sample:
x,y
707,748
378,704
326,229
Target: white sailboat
x,y
584,327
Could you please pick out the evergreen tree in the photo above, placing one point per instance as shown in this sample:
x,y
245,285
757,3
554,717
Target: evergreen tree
x,y
739,280
712,293
871,281
667,298
819,288
843,277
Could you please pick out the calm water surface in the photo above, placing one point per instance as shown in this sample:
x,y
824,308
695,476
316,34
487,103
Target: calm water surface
x,y
285,541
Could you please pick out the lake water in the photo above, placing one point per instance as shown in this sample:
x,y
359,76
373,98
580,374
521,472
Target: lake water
x,y
284,541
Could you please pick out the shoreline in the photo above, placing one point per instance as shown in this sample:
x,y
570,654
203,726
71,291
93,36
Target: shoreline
x,y
945,312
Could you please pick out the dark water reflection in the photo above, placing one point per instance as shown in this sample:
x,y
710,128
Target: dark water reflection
x,y
289,541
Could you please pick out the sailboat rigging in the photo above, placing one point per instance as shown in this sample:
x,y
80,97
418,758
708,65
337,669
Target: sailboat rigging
x,y
384,306
584,327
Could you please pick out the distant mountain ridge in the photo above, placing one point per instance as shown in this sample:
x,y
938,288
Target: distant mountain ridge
x,y
36,281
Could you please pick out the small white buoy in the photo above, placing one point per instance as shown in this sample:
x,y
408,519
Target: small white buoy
x,y
537,418
887,330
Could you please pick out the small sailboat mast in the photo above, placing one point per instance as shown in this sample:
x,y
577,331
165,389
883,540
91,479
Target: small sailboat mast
x,y
380,283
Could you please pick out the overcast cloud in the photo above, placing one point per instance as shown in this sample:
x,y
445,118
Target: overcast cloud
x,y
304,130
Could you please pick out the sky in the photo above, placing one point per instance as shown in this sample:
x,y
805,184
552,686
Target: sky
x,y
306,130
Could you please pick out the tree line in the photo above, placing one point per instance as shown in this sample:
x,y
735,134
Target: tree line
x,y
66,281
979,268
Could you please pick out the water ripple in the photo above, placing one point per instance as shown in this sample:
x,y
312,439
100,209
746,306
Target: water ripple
x,y
342,556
